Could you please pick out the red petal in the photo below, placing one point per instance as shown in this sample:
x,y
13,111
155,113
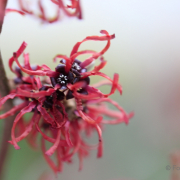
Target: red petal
x,y
28,129
23,8
67,135
52,140
24,93
8,10
124,116
32,138
47,158
43,16
100,147
18,53
81,53
68,61
10,96
58,116
13,110
26,61
119,87
45,115
81,114
26,86
76,147
55,145
101,109
95,70
77,85
37,72
45,67
107,37
18,117
87,62
77,12
114,85
38,82
55,2
90,96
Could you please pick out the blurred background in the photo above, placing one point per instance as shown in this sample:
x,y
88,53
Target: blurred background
x,y
146,54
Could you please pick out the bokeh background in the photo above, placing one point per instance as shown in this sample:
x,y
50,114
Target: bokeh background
x,y
146,54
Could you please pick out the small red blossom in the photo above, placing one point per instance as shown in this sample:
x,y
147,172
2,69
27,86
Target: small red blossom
x,y
71,10
65,106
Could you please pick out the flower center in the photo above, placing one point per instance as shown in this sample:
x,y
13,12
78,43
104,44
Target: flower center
x,y
76,66
62,79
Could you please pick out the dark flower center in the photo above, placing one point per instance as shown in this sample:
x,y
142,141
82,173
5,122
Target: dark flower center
x,y
72,77
48,103
76,66
62,79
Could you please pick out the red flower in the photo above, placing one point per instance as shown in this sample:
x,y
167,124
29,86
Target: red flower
x,y
72,10
66,107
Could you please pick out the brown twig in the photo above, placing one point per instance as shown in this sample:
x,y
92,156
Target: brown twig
x,y
4,90
3,4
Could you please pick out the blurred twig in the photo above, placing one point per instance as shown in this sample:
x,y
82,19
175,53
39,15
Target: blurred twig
x,y
4,90
3,4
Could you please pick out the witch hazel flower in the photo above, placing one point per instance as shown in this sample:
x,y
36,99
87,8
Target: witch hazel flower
x,y
66,105
73,9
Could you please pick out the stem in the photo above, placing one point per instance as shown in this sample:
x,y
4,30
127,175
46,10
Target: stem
x,y
4,90
3,4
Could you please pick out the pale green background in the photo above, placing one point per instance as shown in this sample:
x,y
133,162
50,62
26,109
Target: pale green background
x,y
146,54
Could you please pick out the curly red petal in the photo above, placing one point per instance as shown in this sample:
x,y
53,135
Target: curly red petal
x,y
38,82
28,129
47,158
55,145
18,117
82,114
23,8
67,135
124,117
49,139
101,109
45,115
8,10
26,86
59,118
77,85
36,72
43,15
9,96
107,37
119,87
24,93
77,11
77,144
52,140
45,67
13,110
96,69
100,146
18,53
82,53
26,61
